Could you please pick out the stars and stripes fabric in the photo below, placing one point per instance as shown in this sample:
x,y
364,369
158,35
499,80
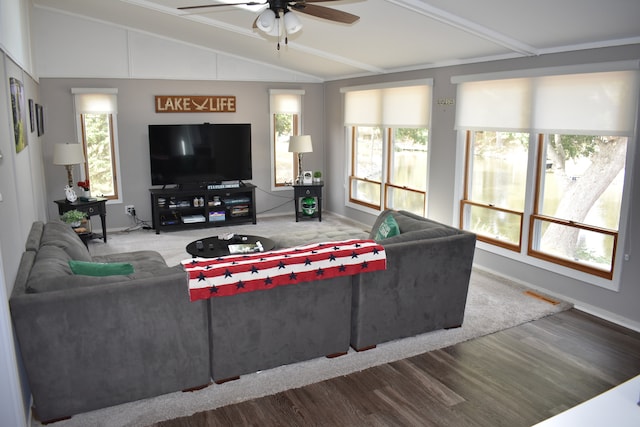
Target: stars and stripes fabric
x,y
234,274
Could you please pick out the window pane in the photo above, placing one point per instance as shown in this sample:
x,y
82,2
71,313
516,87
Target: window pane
x,y
368,153
284,126
584,179
583,183
499,169
409,158
99,149
586,247
493,223
398,198
366,192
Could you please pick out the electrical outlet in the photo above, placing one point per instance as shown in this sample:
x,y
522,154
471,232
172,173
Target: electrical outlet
x,y
129,209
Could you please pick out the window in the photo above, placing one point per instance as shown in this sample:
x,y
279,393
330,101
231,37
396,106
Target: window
x,y
96,110
494,198
285,110
388,146
545,165
576,217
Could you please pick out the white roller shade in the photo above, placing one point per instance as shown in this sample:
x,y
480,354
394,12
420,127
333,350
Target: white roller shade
x,y
287,103
406,106
363,108
97,101
586,104
597,103
494,105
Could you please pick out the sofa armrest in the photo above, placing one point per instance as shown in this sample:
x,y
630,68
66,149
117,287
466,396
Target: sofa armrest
x,y
97,346
424,288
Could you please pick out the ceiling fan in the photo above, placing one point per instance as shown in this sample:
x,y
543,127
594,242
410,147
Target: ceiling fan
x,y
269,20
284,6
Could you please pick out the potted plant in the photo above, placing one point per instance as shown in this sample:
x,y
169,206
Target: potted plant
x,y
73,217
317,176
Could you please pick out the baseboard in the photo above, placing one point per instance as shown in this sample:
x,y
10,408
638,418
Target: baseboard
x,y
580,305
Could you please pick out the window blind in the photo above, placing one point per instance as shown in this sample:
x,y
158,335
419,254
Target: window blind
x,y
96,101
402,106
286,102
602,103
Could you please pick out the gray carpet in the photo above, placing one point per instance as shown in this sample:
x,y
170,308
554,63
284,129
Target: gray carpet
x,y
493,304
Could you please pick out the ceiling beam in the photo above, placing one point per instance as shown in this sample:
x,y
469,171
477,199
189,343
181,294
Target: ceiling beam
x,y
465,25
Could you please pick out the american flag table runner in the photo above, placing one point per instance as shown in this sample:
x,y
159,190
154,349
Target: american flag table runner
x,y
234,274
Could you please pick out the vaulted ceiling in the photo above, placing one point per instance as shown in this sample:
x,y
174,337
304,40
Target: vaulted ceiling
x,y
390,36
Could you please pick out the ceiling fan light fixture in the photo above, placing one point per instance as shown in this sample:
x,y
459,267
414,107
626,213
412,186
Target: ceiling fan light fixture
x,y
266,21
292,23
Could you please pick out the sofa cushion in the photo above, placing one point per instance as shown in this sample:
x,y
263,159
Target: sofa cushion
x,y
51,272
142,261
100,269
388,227
61,235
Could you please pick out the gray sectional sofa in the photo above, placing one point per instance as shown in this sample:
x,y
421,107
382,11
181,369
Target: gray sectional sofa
x,y
90,342
424,287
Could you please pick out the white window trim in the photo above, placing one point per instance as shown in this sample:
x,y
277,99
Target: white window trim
x,y
116,145
272,142
349,146
623,247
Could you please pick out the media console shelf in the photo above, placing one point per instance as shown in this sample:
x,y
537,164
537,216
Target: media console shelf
x,y
178,209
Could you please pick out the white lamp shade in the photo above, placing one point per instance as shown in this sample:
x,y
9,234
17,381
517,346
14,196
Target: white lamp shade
x,y
300,144
266,21
292,23
68,154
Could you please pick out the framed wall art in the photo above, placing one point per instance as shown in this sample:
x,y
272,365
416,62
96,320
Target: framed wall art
x,y
40,119
19,113
32,116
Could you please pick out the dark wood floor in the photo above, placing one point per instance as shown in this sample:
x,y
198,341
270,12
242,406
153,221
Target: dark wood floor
x,y
516,377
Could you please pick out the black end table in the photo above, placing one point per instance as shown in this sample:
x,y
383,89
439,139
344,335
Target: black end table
x,y
93,207
302,191
212,247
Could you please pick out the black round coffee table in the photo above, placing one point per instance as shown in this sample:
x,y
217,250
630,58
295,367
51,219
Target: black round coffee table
x,y
212,247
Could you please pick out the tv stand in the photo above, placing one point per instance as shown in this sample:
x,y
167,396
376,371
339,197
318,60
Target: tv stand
x,y
181,209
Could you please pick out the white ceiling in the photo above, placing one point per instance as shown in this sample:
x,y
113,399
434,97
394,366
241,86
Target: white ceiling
x,y
391,35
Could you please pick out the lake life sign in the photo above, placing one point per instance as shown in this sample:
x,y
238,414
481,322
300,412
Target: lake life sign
x,y
195,104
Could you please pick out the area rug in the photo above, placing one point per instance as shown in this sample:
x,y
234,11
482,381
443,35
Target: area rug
x,y
493,304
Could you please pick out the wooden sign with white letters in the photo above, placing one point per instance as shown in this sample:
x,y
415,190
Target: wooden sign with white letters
x,y
195,104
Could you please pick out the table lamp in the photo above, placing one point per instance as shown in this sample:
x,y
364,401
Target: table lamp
x,y
300,144
68,155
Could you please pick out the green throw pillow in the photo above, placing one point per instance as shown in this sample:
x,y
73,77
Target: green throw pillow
x,y
100,268
388,228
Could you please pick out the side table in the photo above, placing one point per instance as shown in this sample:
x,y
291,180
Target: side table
x,y
94,207
302,191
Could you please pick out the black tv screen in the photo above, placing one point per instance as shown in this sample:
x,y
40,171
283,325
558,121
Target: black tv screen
x,y
199,153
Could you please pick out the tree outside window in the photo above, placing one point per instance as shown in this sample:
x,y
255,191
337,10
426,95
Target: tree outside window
x,y
285,108
580,199
96,111
98,146
285,126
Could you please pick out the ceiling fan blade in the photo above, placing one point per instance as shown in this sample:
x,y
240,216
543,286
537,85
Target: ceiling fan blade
x,y
325,13
246,3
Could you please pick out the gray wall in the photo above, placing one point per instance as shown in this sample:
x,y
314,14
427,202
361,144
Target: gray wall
x,y
22,201
621,306
136,111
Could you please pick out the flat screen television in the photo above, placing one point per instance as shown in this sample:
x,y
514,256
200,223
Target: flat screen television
x,y
200,153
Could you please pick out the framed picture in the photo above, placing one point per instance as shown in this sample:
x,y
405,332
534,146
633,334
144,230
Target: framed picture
x,y
40,119
19,114
32,115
